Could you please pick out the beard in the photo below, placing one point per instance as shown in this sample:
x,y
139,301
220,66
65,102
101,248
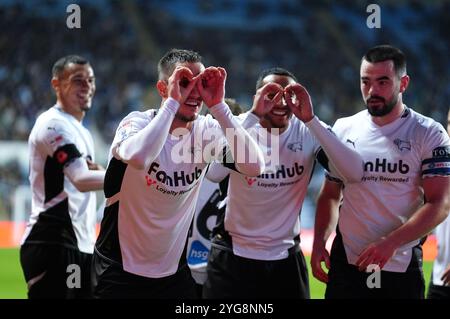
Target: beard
x,y
85,107
279,124
184,118
383,110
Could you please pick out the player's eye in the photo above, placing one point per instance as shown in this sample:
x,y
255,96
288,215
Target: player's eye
x,y
271,95
184,82
204,83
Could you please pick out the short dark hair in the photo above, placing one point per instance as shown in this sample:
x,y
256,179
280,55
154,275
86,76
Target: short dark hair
x,y
60,65
167,63
386,52
270,71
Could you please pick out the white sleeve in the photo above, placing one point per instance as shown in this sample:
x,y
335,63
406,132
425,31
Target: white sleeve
x,y
139,147
84,179
435,153
217,172
58,141
250,120
249,159
347,163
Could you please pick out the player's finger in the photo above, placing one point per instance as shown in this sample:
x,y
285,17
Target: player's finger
x,y
277,98
223,72
364,260
271,88
181,71
317,270
446,277
327,261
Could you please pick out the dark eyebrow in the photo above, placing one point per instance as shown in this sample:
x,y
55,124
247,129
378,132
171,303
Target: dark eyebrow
x,y
79,76
384,77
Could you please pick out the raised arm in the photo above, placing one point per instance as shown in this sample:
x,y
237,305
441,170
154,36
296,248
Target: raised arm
x,y
212,89
346,161
139,148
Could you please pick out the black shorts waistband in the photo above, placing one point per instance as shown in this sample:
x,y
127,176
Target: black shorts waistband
x,y
223,240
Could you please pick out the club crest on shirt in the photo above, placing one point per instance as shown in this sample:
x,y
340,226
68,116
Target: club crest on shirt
x,y
402,145
296,146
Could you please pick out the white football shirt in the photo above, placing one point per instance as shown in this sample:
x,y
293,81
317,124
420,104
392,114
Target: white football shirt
x,y
60,213
262,215
397,156
442,261
149,211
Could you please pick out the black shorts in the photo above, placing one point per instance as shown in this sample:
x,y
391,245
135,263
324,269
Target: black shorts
x,y
48,273
345,281
231,276
438,292
112,282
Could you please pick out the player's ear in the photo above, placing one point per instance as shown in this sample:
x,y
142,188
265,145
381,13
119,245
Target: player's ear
x,y
162,88
55,84
404,82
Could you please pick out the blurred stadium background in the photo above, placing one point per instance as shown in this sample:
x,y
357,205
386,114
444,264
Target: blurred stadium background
x,y
321,42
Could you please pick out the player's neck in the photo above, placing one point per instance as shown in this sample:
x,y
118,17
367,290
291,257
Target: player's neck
x,y
396,112
178,123
79,116
272,130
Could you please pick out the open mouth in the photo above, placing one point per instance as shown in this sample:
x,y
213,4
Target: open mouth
x,y
192,103
279,112
84,96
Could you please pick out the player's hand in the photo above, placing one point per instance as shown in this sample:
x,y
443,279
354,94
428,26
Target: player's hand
x,y
94,166
446,276
266,98
299,101
320,254
211,85
377,253
181,83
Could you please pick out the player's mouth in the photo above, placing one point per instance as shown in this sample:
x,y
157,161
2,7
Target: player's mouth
x,y
279,112
375,101
84,97
194,104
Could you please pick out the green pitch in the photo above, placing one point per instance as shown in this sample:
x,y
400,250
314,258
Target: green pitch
x,y
12,284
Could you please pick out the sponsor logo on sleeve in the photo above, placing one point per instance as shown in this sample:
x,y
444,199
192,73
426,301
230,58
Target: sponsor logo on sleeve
x,y
125,130
56,140
441,152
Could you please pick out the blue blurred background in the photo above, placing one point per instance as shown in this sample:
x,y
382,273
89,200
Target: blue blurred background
x,y
321,42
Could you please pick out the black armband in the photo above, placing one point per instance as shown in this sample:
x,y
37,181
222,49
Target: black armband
x,y
66,154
